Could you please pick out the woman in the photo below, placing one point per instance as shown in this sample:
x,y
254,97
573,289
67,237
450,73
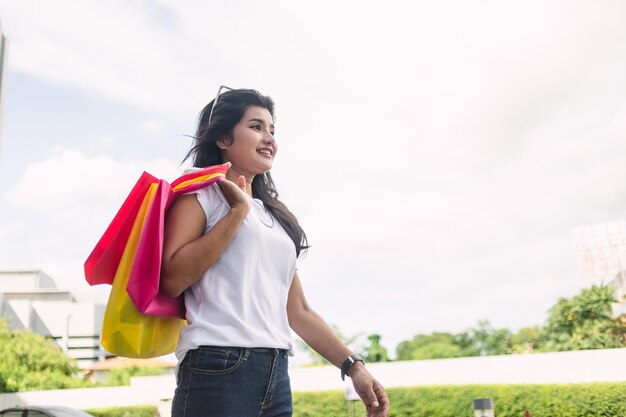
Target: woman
x,y
232,249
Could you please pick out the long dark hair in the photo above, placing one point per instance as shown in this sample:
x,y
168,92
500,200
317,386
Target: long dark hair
x,y
231,107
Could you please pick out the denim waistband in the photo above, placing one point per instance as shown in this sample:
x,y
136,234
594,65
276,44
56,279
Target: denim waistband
x,y
250,349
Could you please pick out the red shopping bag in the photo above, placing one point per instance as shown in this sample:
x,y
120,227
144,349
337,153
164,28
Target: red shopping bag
x,y
143,283
102,263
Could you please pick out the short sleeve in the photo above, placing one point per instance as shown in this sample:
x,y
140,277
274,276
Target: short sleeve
x,y
204,196
212,202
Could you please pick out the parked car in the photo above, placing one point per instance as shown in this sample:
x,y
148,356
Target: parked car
x,y
43,411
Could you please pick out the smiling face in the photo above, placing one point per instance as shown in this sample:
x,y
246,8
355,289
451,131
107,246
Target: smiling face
x,y
252,148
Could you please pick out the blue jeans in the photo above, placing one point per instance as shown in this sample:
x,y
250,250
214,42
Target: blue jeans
x,y
233,382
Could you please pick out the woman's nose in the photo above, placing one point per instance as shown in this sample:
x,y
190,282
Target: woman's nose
x,y
269,139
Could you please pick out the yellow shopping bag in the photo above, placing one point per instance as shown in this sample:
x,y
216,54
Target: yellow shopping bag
x,y
126,331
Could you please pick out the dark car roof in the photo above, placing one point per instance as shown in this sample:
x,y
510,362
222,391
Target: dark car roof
x,y
55,410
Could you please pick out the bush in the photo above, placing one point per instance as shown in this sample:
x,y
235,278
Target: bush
x,y
29,362
562,400
135,411
318,404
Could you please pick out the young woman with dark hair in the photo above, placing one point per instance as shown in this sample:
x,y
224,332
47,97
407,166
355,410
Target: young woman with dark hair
x,y
231,249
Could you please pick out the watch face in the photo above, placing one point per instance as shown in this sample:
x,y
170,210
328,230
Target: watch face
x,y
355,358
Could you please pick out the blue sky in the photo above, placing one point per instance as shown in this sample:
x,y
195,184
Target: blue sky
x,y
438,154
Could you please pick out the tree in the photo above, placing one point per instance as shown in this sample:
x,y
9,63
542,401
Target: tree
x,y
584,322
527,340
29,362
375,352
480,341
485,340
429,346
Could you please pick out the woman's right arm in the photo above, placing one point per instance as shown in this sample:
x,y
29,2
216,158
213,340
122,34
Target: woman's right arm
x,y
187,251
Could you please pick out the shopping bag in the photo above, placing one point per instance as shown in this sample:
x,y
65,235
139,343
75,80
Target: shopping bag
x,y
126,331
144,280
101,265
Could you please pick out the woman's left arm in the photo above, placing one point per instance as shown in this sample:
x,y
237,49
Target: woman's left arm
x,y
318,334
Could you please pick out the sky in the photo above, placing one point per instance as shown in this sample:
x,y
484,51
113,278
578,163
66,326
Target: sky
x,y
438,155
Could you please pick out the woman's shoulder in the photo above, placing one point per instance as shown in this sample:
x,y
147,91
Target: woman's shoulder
x,y
211,194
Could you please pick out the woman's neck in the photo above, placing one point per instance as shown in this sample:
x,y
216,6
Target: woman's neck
x,y
233,175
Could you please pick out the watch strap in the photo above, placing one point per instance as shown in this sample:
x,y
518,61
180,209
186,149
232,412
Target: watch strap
x,y
350,360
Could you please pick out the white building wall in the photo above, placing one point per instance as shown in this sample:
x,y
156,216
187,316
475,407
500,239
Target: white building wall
x,y
601,365
68,318
25,280
17,312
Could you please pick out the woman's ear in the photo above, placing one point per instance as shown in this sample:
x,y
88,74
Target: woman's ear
x,y
221,143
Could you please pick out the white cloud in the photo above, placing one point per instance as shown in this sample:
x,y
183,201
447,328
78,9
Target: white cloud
x,y
68,177
154,126
112,49
68,200
106,141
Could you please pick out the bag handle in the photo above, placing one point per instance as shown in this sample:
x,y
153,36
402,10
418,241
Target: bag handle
x,y
197,179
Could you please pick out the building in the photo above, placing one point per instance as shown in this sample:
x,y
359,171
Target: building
x,y
602,258
30,300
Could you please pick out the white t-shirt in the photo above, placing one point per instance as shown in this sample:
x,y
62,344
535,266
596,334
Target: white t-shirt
x,y
242,299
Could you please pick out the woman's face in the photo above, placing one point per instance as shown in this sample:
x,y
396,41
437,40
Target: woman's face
x,y
252,148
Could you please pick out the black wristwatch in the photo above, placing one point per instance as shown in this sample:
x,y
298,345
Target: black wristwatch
x,y
350,360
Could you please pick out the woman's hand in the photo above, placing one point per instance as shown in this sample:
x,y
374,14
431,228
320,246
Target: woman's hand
x,y
236,194
370,390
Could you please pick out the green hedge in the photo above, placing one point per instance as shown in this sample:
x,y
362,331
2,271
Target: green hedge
x,y
135,411
558,400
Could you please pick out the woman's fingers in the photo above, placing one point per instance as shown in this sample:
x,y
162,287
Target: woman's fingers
x,y
371,398
372,392
383,400
235,193
241,182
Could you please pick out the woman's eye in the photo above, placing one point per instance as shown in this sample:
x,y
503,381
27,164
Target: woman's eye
x,y
256,127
